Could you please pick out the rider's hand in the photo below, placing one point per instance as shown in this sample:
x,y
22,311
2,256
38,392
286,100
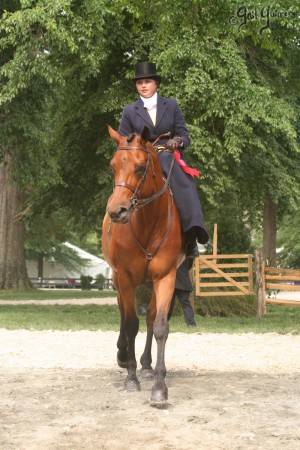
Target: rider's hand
x,y
174,143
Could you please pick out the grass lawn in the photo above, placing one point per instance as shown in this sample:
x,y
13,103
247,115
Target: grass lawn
x,y
54,294
105,317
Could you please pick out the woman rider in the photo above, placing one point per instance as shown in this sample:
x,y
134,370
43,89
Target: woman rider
x,y
162,115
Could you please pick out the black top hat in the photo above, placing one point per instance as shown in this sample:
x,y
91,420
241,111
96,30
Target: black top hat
x,y
146,70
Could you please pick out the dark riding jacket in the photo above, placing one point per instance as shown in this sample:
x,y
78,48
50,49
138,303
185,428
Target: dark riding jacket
x,y
169,118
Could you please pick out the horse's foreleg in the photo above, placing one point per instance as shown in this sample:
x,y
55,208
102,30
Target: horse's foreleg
x,y
131,327
146,358
128,332
159,391
164,291
122,355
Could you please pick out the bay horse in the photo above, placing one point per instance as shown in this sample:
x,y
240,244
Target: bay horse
x,y
142,240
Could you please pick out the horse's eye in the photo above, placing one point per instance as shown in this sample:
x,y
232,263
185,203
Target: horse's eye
x,y
140,170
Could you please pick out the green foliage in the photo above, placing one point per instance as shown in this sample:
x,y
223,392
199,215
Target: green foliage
x,y
46,229
234,232
88,242
65,73
100,280
46,232
288,239
86,281
226,306
238,93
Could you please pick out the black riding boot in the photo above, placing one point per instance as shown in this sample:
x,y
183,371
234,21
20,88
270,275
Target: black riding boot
x,y
191,247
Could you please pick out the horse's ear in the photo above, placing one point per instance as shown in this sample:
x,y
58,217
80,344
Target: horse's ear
x,y
145,134
114,135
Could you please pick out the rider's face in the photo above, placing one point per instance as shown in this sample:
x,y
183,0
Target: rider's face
x,y
146,87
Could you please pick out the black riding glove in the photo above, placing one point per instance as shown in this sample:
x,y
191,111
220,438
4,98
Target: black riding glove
x,y
174,143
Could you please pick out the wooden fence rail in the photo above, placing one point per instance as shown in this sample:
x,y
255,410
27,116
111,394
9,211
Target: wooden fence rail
x,y
232,275
275,279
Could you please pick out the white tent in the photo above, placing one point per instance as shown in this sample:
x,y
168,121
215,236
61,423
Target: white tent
x,y
93,266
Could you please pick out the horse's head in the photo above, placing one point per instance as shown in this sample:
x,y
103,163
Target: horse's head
x,y
130,164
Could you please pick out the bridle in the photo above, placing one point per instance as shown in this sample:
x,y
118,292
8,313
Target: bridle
x,y
135,200
137,203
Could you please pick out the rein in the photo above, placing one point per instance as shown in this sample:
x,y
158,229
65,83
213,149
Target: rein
x,y
137,203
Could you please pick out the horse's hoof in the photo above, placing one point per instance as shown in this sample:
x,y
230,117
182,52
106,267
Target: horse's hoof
x,y
159,396
148,374
132,386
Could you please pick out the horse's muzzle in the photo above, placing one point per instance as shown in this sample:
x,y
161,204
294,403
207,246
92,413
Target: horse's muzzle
x,y
119,215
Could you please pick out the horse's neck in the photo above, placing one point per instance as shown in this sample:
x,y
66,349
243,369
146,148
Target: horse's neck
x,y
155,215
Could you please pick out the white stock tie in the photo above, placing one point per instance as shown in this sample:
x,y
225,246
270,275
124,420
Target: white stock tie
x,y
151,105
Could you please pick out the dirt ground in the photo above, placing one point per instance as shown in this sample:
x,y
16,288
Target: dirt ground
x,y
64,390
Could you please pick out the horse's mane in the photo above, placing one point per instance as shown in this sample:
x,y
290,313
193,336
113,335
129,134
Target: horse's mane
x,y
131,137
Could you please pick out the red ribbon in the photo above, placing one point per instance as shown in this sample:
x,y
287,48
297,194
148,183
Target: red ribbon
x,y
184,167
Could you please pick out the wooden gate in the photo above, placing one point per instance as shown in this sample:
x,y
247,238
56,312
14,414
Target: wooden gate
x,y
223,275
275,279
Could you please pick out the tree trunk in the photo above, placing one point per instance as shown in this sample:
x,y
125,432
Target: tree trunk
x,y
13,272
269,231
40,263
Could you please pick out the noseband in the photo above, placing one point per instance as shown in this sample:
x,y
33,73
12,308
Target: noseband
x,y
136,202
